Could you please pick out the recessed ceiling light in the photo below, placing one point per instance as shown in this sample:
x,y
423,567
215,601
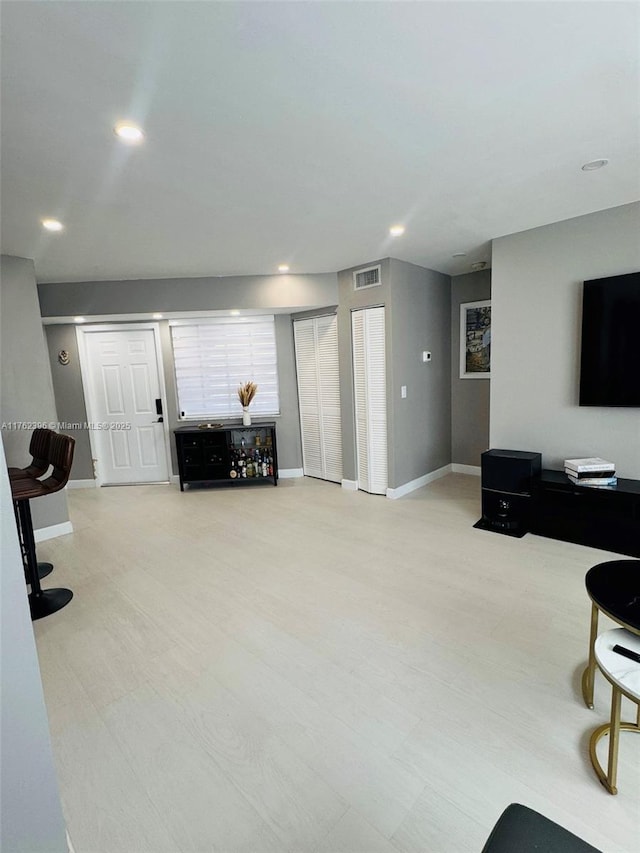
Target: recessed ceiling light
x,y
479,265
234,313
396,230
283,268
128,132
52,225
158,316
78,320
459,255
592,165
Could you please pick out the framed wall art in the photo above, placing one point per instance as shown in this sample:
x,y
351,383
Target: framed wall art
x,y
475,340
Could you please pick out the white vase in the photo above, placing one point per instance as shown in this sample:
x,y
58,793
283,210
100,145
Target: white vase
x,y
246,417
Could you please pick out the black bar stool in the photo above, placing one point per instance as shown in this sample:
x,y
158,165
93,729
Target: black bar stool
x,y
39,465
60,456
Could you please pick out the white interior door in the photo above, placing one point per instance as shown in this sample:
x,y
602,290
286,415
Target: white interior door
x,y
308,401
317,368
122,372
370,398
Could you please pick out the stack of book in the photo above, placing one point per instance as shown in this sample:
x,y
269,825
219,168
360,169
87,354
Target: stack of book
x,y
592,471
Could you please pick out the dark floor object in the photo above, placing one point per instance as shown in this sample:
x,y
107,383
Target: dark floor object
x,y
486,525
522,830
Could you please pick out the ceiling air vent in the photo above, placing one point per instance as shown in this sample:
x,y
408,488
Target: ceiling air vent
x,y
368,277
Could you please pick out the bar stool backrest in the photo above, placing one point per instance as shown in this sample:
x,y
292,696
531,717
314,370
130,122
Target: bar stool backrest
x,y
39,450
60,455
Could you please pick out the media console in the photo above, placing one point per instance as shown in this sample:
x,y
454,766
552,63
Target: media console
x,y
606,518
227,456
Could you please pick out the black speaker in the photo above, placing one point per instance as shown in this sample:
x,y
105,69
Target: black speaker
x,y
510,470
508,478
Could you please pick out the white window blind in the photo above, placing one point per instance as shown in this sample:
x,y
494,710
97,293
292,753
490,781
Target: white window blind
x,y
213,357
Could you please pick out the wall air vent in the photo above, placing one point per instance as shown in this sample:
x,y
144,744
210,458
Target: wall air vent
x,y
368,277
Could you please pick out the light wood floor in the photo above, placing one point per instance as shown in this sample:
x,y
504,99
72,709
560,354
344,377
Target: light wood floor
x,y
313,670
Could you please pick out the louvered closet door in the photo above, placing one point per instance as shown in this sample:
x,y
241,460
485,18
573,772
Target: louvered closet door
x,y
308,398
329,393
316,343
370,398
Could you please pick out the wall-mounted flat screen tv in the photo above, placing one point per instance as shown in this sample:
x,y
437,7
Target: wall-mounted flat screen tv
x,y
610,349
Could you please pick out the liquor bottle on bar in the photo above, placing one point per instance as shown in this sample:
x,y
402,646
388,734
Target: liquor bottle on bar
x,y
233,472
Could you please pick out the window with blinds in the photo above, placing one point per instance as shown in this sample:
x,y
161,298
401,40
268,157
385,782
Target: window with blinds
x,y
213,357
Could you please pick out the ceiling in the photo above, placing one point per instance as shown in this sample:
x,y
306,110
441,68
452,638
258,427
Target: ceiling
x,y
299,133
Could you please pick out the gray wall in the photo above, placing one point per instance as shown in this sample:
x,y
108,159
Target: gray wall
x,y
289,439
141,296
72,407
469,397
347,301
420,424
417,318
197,295
536,309
70,402
30,812
26,394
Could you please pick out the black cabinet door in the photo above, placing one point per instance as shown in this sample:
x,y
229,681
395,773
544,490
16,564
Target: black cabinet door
x,y
599,518
207,456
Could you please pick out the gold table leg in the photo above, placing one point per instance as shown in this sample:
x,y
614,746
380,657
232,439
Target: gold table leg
x,y
588,676
612,728
614,740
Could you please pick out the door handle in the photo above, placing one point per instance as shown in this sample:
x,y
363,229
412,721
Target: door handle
x,y
158,406
159,421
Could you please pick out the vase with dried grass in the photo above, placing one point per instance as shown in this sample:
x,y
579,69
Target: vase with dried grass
x,y
246,393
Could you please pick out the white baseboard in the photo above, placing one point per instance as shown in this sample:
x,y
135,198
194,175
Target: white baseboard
x,y
418,483
81,484
349,485
174,478
290,473
475,470
53,531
